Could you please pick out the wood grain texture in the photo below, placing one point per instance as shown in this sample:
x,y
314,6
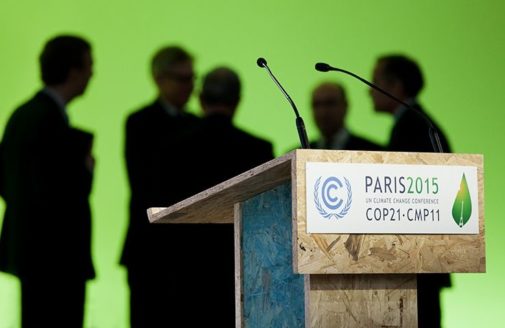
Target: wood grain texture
x,y
341,253
215,205
348,253
239,304
366,300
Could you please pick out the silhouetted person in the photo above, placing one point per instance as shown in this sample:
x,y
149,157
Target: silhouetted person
x,y
46,174
218,151
157,177
402,77
329,109
230,150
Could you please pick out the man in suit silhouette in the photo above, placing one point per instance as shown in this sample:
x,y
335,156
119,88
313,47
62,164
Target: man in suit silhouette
x,y
217,151
228,150
46,173
155,140
402,77
329,109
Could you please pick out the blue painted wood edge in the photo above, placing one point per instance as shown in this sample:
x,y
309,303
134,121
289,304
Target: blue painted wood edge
x,y
273,296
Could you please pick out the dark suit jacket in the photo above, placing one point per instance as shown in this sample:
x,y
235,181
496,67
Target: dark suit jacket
x,y
354,143
157,175
217,151
221,151
411,133
45,184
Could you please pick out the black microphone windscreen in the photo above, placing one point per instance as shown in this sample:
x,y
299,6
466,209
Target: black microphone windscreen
x,y
261,62
322,67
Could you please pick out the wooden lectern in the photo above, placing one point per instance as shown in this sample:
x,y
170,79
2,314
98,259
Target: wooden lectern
x,y
286,277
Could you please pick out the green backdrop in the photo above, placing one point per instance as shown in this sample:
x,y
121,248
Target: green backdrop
x,y
458,43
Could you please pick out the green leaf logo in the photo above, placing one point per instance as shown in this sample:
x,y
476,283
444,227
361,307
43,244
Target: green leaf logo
x,y
462,207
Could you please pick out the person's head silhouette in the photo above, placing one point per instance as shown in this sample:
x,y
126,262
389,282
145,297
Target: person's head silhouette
x,y
172,71
220,92
398,75
66,65
329,108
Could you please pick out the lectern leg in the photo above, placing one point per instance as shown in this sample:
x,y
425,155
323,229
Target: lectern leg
x,y
268,293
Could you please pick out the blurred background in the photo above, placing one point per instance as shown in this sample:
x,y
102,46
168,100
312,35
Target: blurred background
x,y
457,44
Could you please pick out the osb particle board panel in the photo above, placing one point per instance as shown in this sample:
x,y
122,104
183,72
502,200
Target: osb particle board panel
x,y
364,300
361,253
215,205
269,293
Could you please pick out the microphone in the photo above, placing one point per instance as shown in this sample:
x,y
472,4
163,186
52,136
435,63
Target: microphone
x,y
300,126
261,62
432,131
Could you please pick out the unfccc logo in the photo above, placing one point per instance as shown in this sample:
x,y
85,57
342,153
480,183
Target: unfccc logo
x,y
332,199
